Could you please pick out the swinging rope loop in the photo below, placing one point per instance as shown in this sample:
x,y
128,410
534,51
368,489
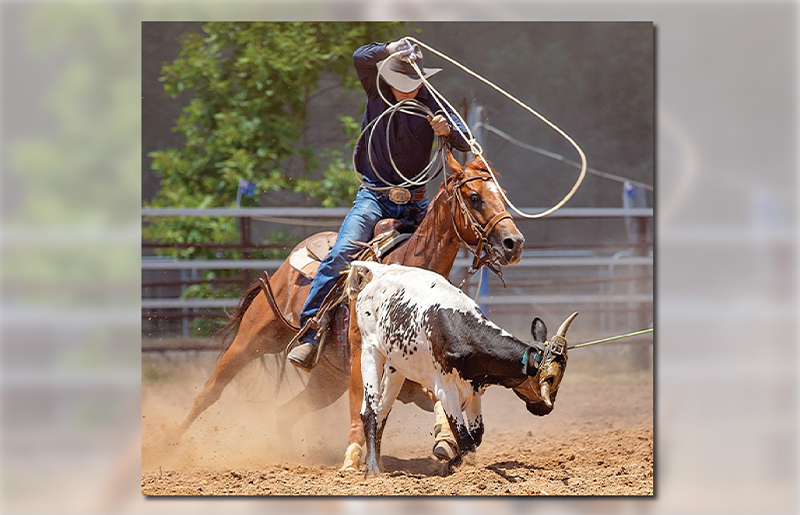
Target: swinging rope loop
x,y
474,145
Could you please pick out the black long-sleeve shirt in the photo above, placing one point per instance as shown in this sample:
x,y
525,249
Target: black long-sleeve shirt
x,y
410,137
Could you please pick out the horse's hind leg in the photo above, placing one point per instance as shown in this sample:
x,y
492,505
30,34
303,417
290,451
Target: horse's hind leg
x,y
231,363
258,333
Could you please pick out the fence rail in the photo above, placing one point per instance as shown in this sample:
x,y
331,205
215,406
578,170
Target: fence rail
x,y
341,212
603,296
272,264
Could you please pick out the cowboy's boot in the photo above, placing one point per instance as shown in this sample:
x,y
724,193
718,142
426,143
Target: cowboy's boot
x,y
303,356
445,446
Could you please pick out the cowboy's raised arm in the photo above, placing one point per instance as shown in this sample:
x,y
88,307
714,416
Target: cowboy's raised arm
x,y
365,60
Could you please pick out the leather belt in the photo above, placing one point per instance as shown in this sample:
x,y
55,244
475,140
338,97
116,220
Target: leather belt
x,y
403,196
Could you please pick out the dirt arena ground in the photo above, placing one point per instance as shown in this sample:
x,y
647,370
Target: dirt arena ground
x,y
597,441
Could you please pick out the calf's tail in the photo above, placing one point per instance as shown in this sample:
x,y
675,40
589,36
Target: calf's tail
x,y
359,275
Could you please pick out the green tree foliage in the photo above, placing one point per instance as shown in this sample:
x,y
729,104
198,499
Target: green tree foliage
x,y
250,85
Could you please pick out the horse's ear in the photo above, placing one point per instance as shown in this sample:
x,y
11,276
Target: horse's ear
x,y
455,167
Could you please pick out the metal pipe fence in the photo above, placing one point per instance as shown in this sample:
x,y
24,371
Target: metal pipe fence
x,y
596,277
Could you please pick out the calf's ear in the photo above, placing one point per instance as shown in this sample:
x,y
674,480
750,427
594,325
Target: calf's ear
x,y
538,330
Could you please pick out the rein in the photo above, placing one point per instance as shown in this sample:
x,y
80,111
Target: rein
x,y
483,252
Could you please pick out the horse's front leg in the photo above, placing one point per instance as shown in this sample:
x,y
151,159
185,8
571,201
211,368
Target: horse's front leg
x,y
356,439
444,445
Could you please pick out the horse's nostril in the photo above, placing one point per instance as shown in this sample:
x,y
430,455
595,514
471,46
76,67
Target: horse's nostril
x,y
509,243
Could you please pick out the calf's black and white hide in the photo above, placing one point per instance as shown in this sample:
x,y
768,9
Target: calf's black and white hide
x,y
415,325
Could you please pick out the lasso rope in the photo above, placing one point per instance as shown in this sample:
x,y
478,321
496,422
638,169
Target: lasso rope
x,y
411,107
612,338
558,157
476,148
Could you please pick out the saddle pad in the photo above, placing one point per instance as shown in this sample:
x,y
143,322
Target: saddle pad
x,y
302,261
306,259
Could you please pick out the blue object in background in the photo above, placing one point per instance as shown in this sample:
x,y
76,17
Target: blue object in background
x,y
247,188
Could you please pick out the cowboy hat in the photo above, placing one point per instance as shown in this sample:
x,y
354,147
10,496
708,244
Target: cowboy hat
x,y
399,73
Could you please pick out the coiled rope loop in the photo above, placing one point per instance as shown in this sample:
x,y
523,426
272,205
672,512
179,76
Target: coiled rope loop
x,y
411,107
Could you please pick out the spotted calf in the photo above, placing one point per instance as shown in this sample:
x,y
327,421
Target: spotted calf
x,y
415,325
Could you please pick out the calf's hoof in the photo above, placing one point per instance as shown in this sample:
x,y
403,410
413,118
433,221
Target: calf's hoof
x,y
450,466
371,472
352,458
445,450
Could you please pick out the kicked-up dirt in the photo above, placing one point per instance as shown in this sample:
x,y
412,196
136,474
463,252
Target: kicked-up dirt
x,y
597,441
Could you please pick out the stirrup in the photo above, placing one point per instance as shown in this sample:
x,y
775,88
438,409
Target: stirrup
x,y
310,323
304,362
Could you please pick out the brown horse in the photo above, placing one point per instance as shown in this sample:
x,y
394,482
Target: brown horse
x,y
467,209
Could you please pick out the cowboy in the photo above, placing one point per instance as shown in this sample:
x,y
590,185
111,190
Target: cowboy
x,y
407,147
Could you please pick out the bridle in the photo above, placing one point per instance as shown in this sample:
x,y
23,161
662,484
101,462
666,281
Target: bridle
x,y
483,252
536,358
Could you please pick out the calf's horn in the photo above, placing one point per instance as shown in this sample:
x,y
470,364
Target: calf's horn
x,y
562,331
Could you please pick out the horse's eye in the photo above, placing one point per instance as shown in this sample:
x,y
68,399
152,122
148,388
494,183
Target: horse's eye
x,y
474,198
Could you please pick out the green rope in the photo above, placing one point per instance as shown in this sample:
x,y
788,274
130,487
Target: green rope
x,y
637,333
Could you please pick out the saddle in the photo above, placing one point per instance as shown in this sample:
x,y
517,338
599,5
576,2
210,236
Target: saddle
x,y
332,319
388,234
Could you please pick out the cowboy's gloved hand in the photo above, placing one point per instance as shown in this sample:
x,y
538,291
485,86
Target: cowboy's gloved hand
x,y
439,125
403,46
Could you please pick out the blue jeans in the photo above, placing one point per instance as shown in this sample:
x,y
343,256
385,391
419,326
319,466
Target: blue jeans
x,y
369,208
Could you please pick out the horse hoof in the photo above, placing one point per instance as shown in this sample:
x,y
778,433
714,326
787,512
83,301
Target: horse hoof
x,y
352,458
172,438
444,450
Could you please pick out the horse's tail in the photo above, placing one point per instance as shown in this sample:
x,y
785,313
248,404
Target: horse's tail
x,y
228,331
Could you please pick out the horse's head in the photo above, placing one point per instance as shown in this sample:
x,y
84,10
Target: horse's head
x,y
479,211
539,391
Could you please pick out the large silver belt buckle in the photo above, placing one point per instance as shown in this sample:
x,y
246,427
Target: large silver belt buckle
x,y
399,195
